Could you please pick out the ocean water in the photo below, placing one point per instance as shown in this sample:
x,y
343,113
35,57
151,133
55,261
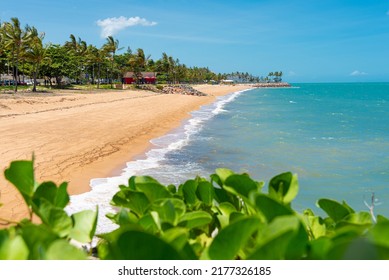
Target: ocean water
x,y
334,136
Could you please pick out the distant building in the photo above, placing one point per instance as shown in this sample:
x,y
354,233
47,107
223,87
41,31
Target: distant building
x,y
146,78
227,82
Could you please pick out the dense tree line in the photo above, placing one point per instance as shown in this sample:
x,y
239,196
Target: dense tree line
x,y
23,54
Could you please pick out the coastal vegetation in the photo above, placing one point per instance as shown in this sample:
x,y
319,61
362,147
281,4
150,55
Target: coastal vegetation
x,y
24,56
228,216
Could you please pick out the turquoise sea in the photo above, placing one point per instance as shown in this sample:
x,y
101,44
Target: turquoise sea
x,y
335,136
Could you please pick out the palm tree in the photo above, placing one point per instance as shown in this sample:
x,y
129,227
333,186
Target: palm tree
x,y
79,48
111,46
15,41
95,56
36,52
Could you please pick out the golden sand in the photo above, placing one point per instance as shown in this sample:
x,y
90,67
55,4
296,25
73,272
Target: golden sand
x,y
76,137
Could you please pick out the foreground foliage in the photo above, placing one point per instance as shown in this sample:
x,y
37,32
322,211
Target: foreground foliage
x,y
228,216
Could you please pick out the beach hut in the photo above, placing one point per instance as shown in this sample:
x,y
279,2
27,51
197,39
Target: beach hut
x,y
145,78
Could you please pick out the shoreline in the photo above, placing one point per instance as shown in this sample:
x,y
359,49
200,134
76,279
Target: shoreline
x,y
78,137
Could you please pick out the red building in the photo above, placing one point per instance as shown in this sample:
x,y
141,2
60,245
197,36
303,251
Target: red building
x,y
147,78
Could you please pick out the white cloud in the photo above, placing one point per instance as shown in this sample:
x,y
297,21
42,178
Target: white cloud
x,y
358,73
111,26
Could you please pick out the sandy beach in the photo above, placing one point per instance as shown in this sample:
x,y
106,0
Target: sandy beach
x,y
76,137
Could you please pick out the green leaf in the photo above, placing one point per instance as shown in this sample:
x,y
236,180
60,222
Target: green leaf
x,y
223,174
13,249
226,208
169,209
195,219
240,185
123,217
271,208
189,191
135,245
359,219
21,175
379,234
84,225
58,197
62,250
38,238
275,238
284,187
56,218
334,209
205,192
151,222
319,248
134,200
316,226
177,237
233,238
151,188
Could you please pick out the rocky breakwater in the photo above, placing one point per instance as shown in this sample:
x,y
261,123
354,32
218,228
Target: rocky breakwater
x,y
271,85
181,89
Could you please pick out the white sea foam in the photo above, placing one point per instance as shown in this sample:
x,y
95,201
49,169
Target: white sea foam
x,y
103,189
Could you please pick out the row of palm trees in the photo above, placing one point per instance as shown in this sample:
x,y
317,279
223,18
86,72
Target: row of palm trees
x,y
22,50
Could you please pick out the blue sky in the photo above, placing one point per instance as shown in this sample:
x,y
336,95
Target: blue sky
x,y
310,41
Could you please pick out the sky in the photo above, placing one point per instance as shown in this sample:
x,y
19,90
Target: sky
x,y
308,40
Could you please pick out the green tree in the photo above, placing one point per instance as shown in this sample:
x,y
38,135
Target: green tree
x,y
78,50
16,40
111,47
36,53
58,64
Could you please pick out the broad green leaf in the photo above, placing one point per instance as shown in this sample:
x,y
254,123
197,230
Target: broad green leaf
x,y
177,237
359,219
56,218
134,200
298,245
136,245
205,192
13,249
62,250
172,189
21,175
319,248
223,174
274,239
379,234
358,248
58,197
38,238
334,209
316,226
189,191
169,209
240,185
123,217
195,219
151,222
233,238
151,188
84,225
271,208
226,208
284,187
